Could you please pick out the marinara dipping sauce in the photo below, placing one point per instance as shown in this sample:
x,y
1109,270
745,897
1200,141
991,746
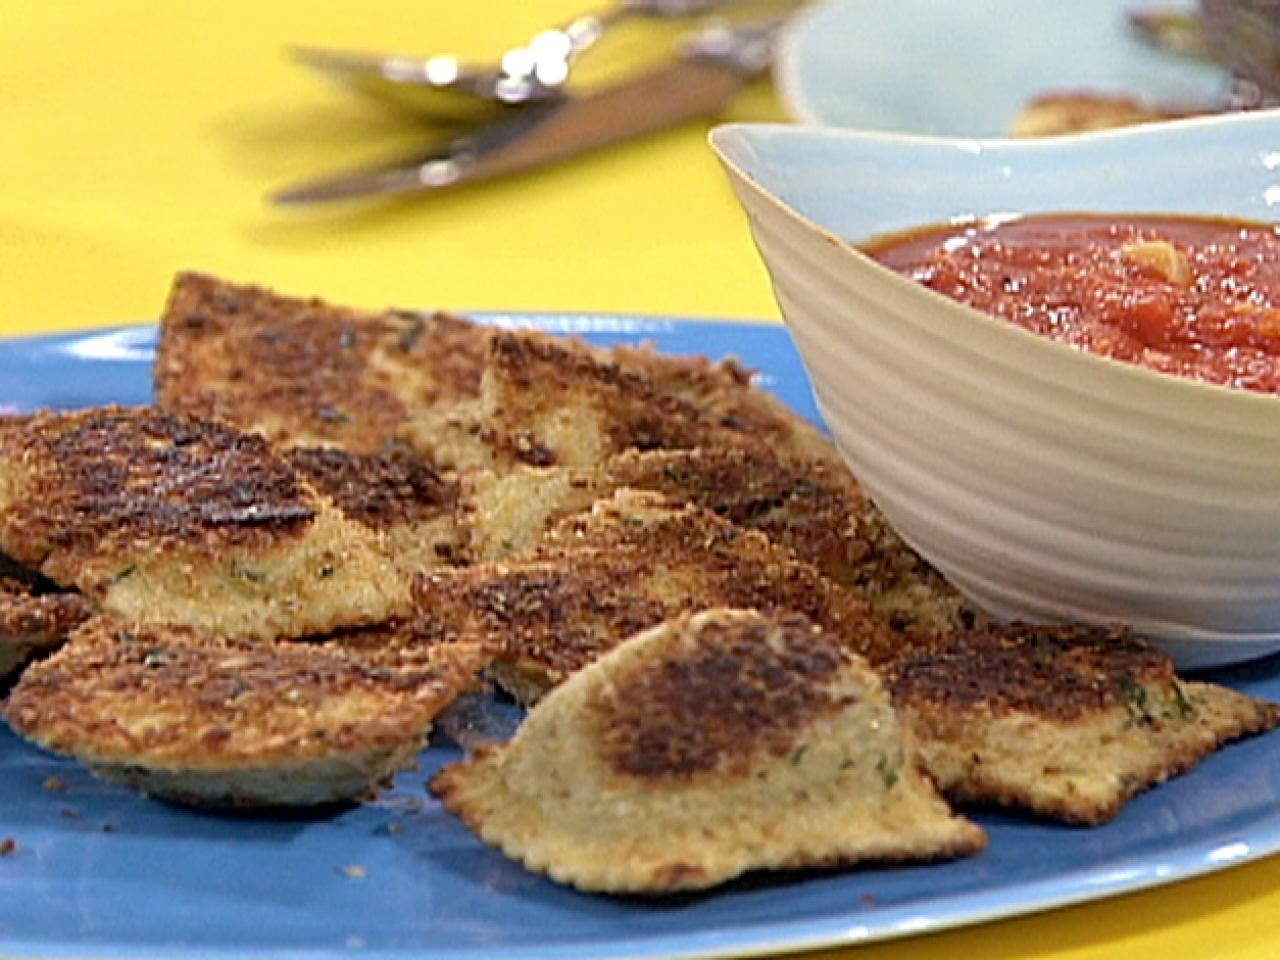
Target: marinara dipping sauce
x,y
1196,297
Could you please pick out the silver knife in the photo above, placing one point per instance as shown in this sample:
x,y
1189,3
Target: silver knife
x,y
712,66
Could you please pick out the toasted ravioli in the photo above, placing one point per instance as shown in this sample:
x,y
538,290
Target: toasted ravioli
x,y
798,502
633,561
304,371
703,748
901,585
163,518
31,623
810,505
394,493
1066,722
218,722
548,401
726,391
1058,113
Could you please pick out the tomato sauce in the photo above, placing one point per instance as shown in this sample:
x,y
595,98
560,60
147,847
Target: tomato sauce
x,y
1195,297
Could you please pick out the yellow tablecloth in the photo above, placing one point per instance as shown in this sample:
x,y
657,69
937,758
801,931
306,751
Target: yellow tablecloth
x,y
140,138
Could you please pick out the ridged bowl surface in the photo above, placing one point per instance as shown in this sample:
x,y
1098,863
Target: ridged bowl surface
x,y
1044,482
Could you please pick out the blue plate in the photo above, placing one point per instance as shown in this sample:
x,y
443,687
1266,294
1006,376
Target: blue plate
x,y
966,67
101,872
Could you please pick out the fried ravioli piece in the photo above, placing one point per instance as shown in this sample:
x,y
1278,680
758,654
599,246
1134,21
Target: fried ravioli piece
x,y
306,372
219,722
31,622
553,401
726,390
701,749
633,561
1055,114
807,504
1066,722
800,503
162,518
394,493
556,400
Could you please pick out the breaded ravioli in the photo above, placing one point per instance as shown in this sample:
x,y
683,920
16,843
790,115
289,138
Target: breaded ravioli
x,y
727,392
395,493
631,562
31,622
224,722
1066,722
808,504
163,518
801,503
1080,111
307,372
703,748
550,401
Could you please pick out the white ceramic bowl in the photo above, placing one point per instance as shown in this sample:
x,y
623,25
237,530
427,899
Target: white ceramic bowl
x,y
1044,482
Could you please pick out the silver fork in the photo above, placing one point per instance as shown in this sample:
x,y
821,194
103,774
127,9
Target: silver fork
x,y
710,68
445,89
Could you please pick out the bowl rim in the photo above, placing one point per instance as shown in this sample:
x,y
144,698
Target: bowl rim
x,y
1258,404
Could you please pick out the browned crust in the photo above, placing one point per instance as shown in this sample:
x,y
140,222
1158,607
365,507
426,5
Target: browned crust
x,y
711,745
380,489
1065,722
549,618
117,475
171,698
39,618
810,505
750,685
805,504
302,370
631,563
1058,673
31,622
532,376
744,569
726,391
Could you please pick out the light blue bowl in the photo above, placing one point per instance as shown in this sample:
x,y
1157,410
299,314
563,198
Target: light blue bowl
x,y
1046,483
967,67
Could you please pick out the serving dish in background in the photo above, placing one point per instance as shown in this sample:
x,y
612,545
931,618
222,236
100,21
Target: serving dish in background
x,y
965,68
1045,483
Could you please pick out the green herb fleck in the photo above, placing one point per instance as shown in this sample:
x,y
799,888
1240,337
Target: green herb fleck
x,y
331,414
327,571
128,571
1186,709
409,337
798,753
247,573
1135,696
756,509
888,770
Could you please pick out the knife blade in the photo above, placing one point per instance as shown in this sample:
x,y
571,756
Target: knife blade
x,y
711,67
